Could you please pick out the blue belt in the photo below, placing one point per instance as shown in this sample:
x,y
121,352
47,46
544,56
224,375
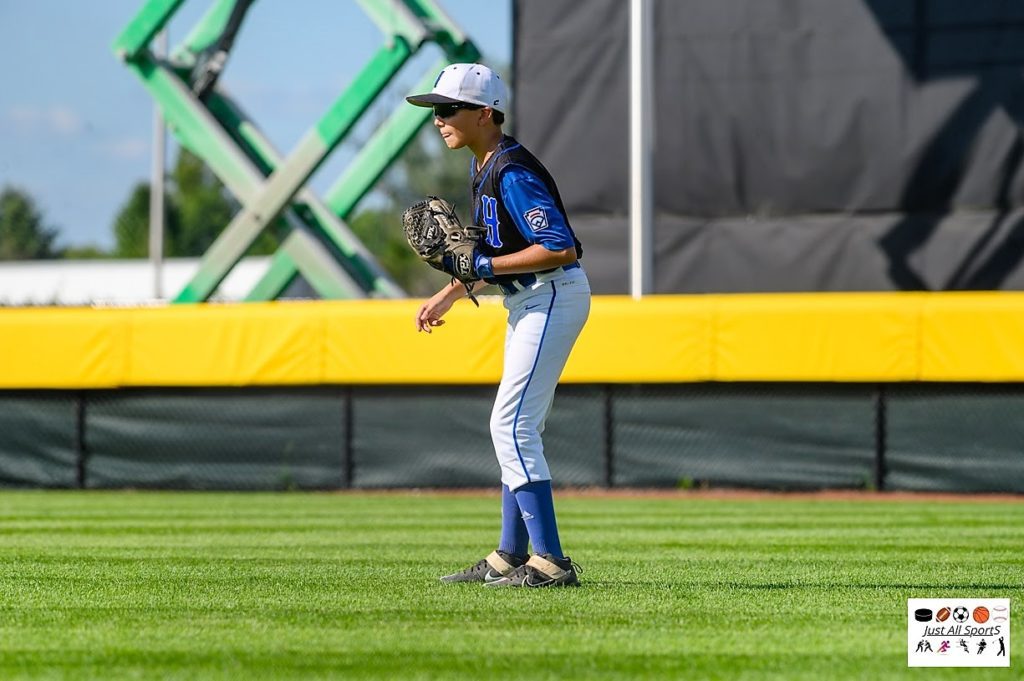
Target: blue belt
x,y
524,281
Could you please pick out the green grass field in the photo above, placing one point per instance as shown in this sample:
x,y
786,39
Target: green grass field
x,y
168,585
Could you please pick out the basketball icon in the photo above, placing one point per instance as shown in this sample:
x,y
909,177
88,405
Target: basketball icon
x,y
981,614
942,615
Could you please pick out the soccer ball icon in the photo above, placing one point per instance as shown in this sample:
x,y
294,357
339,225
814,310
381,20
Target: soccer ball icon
x,y
960,614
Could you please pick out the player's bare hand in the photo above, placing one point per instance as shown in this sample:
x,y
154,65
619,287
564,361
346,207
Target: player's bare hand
x,y
430,313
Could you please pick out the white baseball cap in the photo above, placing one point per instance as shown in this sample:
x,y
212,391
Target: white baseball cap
x,y
469,83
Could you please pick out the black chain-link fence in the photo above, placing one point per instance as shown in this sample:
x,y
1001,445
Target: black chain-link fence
x,y
38,436
968,437
216,439
956,437
762,435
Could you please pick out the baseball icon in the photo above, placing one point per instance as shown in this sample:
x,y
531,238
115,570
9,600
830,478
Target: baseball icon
x,y
960,614
942,615
981,614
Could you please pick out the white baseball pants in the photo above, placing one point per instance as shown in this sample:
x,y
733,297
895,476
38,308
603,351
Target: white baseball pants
x,y
544,321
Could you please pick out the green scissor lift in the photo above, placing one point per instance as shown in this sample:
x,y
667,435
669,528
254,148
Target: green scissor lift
x,y
319,245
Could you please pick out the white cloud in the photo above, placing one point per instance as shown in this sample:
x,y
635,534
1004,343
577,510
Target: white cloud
x,y
128,148
61,120
22,116
64,121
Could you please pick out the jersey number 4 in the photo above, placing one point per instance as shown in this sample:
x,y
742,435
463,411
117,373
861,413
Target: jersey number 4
x,y
490,210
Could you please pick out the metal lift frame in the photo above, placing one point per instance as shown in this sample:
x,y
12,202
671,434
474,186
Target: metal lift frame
x,y
320,246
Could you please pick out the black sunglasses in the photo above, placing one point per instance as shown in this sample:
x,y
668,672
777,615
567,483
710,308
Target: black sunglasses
x,y
443,111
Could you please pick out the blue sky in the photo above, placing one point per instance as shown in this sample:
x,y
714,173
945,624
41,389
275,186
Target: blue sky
x,y
75,124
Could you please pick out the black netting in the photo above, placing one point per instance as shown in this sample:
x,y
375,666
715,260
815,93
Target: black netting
x,y
440,437
574,437
37,439
423,436
955,437
779,435
951,437
216,438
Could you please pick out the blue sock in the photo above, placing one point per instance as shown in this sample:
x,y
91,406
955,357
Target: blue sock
x,y
514,538
539,513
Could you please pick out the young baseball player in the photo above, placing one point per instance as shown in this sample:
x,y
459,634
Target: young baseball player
x,y
532,254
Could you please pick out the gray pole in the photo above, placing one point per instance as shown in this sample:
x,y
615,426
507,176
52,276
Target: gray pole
x,y
641,136
156,184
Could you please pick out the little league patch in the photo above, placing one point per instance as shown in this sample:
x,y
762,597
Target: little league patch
x,y
536,218
958,632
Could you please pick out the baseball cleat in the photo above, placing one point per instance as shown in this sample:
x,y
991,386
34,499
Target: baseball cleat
x,y
490,569
541,571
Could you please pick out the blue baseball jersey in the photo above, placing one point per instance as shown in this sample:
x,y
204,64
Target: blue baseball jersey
x,y
517,201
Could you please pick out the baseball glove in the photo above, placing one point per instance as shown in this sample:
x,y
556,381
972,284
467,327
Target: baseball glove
x,y
433,230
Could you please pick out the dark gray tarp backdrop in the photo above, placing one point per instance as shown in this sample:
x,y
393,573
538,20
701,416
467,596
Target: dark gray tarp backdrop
x,y
800,145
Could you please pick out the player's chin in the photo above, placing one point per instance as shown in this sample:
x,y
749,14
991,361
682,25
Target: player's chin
x,y
453,141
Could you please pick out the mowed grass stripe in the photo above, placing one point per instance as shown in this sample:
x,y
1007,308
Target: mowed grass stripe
x,y
186,585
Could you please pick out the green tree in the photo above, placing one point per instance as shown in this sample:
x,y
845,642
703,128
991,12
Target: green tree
x,y
86,252
202,204
198,207
131,226
23,233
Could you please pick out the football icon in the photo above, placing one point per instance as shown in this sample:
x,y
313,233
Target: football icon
x,y
960,614
981,614
942,615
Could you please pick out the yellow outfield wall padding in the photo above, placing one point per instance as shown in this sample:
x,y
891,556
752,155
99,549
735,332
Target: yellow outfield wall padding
x,y
850,337
375,341
973,336
660,339
208,345
664,339
63,348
